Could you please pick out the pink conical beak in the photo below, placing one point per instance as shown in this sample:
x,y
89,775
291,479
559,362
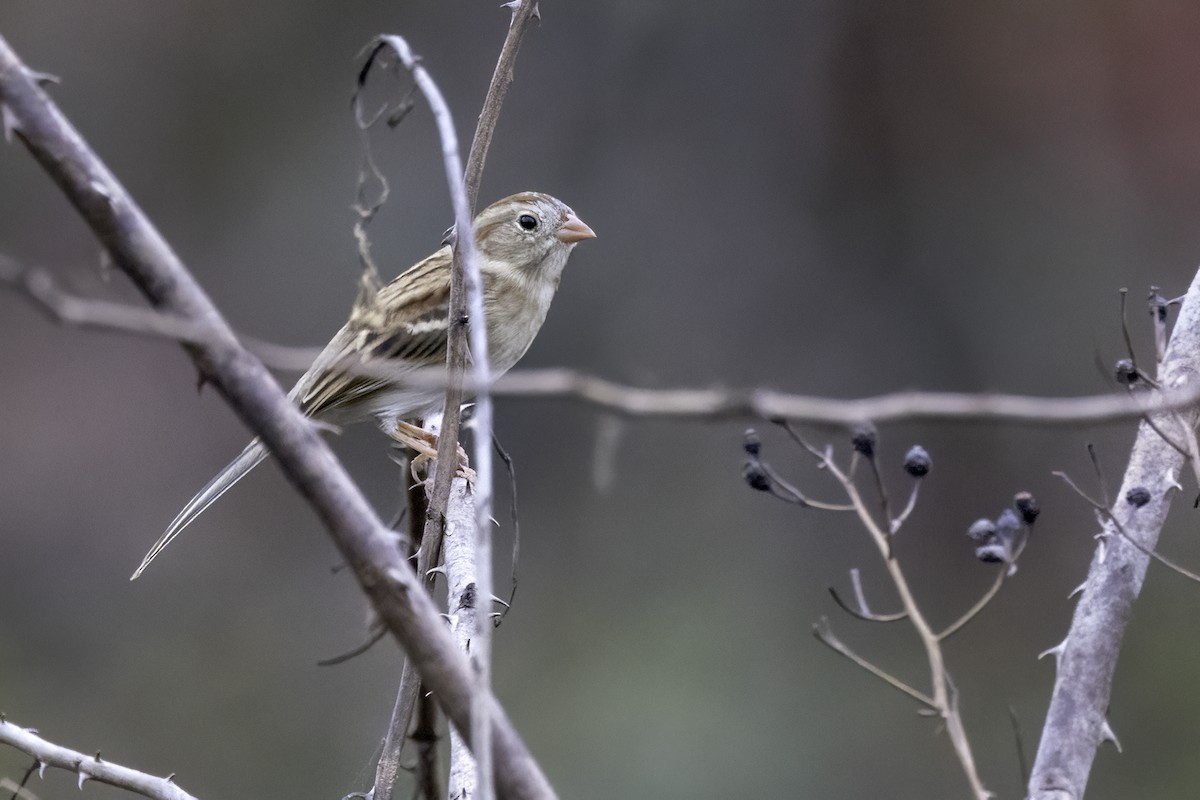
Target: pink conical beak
x,y
574,230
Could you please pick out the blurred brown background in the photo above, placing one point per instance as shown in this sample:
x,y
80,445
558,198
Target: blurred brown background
x,y
824,197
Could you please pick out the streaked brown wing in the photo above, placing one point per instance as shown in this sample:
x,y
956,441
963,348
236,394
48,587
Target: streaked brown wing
x,y
403,328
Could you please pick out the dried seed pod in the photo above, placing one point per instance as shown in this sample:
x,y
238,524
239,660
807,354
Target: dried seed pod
x,y
756,477
1138,496
1125,372
1027,507
865,439
917,461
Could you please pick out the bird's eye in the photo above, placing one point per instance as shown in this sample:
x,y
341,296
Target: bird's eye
x,y
527,221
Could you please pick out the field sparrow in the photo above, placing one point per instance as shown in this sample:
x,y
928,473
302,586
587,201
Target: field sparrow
x,y
523,243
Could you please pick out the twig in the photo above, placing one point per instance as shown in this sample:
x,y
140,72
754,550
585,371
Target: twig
x,y
1106,515
1018,740
19,789
1075,722
408,694
523,13
895,524
89,768
634,401
941,701
980,604
364,542
341,658
791,494
863,611
823,633
425,736
516,523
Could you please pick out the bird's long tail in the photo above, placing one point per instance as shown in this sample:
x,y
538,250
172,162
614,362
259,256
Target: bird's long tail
x,y
250,458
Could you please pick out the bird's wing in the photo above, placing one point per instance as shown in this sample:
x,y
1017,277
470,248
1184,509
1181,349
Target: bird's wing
x,y
402,328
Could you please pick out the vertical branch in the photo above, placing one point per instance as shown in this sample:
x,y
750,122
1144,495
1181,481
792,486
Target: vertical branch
x,y
523,13
408,694
468,612
1075,722
466,305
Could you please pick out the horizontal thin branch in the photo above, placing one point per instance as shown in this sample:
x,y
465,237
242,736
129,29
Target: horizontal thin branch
x,y
89,767
680,404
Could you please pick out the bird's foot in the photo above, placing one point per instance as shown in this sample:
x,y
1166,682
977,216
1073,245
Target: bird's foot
x,y
425,445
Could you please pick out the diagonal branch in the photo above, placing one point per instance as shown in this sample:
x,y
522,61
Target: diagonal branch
x,y
824,634
89,768
368,547
1075,723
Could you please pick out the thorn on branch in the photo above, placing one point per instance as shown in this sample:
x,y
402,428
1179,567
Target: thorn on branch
x,y
1108,735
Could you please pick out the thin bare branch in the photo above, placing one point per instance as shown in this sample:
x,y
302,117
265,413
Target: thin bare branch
x,y
902,517
89,768
980,604
523,13
1107,515
864,614
788,493
680,404
863,611
823,634
40,287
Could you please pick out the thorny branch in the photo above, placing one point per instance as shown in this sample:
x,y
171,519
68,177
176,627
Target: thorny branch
x,y
1076,722
89,768
465,272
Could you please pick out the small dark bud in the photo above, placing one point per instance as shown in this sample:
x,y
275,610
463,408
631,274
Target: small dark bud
x,y
1027,507
1007,524
981,530
996,539
1126,373
917,461
990,553
1138,496
864,440
1158,306
751,443
756,477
